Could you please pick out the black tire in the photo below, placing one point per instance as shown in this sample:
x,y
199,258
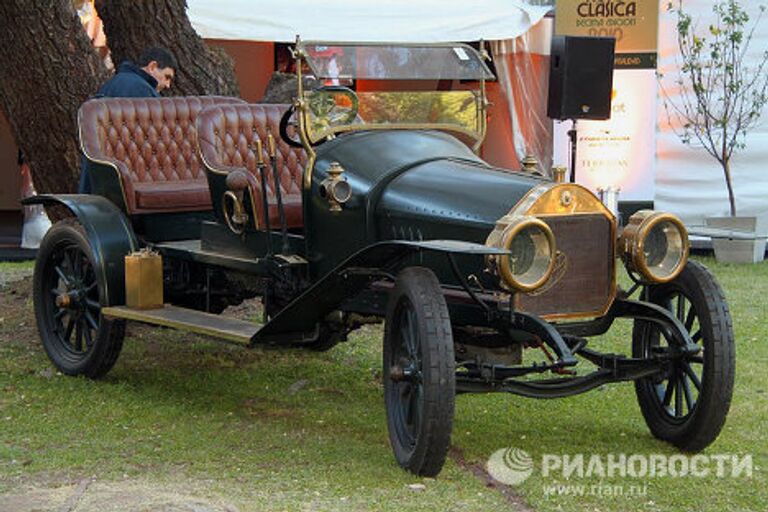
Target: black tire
x,y
76,337
419,372
701,385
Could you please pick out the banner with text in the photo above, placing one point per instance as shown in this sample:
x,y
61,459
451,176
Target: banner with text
x,y
619,152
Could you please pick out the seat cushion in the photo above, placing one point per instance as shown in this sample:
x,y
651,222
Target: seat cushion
x,y
172,195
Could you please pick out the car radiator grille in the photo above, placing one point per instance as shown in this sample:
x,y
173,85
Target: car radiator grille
x,y
583,283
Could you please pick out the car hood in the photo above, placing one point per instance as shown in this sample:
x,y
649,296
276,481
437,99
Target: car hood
x,y
423,185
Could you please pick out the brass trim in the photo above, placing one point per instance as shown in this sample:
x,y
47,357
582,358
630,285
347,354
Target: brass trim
x,y
544,201
329,186
238,221
632,243
482,104
63,300
503,263
335,130
530,164
583,202
505,231
300,109
208,166
558,174
259,151
255,214
580,200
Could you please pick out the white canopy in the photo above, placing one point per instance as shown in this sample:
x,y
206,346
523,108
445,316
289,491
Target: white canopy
x,y
363,20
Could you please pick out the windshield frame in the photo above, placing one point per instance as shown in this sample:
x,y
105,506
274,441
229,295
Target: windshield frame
x,y
301,104
470,64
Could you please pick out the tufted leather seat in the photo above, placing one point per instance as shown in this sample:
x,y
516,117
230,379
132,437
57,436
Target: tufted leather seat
x,y
152,142
227,137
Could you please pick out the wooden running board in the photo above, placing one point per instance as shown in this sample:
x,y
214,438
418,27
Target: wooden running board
x,y
231,329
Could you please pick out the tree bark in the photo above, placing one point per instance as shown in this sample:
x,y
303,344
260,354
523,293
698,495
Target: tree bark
x,y
729,183
47,69
133,26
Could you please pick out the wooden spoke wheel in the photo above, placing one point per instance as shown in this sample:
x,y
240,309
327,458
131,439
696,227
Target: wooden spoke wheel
x,y
66,293
419,372
687,403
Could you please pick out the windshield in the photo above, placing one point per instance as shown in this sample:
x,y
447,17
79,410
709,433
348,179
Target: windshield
x,y
332,111
333,108
386,61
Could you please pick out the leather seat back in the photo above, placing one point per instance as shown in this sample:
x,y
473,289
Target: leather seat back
x,y
227,136
153,144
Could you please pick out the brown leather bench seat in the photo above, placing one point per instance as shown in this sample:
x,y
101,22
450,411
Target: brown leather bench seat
x,y
152,143
227,136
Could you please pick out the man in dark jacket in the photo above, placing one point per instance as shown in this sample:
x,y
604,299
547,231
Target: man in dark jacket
x,y
153,72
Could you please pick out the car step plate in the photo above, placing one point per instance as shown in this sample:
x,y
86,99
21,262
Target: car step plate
x,y
230,329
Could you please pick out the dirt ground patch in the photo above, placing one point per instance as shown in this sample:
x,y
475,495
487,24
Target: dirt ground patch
x,y
8,276
15,307
90,495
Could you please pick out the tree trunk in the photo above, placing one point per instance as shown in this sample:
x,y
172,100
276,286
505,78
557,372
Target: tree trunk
x,y
47,69
729,183
133,26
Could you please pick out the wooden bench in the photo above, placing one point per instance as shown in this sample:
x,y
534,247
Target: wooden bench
x,y
227,136
142,153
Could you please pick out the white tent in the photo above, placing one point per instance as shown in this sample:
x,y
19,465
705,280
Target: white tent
x,y
688,181
344,20
498,21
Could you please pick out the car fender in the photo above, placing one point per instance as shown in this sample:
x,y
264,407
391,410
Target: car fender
x,y
109,234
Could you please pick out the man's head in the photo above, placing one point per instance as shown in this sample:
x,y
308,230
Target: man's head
x,y
160,64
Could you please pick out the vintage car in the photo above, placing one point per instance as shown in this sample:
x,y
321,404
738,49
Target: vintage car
x,y
349,207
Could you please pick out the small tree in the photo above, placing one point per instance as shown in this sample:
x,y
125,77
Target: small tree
x,y
721,97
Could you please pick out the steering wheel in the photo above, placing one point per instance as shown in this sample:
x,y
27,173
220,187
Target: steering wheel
x,y
330,105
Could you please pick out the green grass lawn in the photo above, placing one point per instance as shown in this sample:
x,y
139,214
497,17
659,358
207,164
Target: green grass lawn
x,y
292,430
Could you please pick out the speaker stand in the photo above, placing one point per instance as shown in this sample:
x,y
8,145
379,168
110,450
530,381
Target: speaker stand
x,y
573,141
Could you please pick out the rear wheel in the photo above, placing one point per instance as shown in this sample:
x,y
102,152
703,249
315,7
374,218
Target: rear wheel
x,y
687,404
419,372
66,293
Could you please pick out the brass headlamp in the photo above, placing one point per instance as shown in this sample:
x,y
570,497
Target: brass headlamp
x,y
654,245
532,252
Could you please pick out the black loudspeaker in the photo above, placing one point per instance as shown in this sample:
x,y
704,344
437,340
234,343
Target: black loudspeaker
x,y
580,77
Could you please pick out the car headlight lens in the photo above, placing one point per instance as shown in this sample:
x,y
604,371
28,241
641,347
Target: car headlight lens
x,y
654,245
532,254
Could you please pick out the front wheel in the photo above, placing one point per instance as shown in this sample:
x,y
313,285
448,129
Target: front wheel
x,y
419,372
66,294
686,405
